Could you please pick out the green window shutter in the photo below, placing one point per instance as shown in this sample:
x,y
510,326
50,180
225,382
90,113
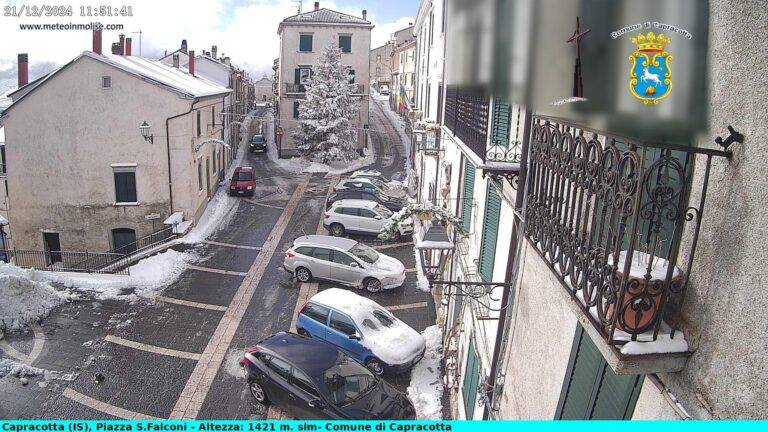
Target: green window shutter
x,y
591,389
469,190
305,43
502,113
297,76
490,233
471,376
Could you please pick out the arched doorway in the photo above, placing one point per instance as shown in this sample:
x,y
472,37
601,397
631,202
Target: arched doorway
x,y
123,240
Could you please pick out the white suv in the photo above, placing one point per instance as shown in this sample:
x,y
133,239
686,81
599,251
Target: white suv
x,y
369,183
361,216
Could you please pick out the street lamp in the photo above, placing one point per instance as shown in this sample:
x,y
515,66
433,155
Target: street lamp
x,y
144,128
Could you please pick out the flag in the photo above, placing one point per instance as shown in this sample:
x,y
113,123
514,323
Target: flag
x,y
402,100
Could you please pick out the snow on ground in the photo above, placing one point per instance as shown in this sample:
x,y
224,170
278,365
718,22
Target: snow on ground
x,y
399,125
426,389
25,301
22,371
220,210
422,283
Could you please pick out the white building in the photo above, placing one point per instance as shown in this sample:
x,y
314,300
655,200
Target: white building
x,y
81,176
302,39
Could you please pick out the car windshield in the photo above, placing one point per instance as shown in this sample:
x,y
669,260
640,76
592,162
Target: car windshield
x,y
365,253
383,211
243,176
346,381
381,318
381,196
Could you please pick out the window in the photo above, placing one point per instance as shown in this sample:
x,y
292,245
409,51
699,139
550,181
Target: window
x,y
431,27
106,82
345,43
378,59
295,110
213,116
490,233
471,379
351,76
304,383
342,258
305,43
280,367
466,196
343,324
200,174
304,74
198,124
215,167
316,312
125,187
322,254
305,250
367,214
378,71
3,168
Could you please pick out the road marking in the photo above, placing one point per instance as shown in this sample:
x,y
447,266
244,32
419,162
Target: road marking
x,y
199,382
410,270
334,181
274,197
105,407
37,348
13,352
152,348
213,270
389,246
265,205
191,304
256,248
406,306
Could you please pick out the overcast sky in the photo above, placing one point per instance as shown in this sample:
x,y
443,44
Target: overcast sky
x,y
245,30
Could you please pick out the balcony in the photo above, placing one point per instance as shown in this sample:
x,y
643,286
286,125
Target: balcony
x,y
607,215
295,88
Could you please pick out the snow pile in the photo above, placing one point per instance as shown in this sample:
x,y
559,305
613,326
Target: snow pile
x,y
390,339
663,344
426,389
21,370
220,210
25,301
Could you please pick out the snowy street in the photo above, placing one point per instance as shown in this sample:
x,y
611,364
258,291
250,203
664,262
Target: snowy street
x,y
176,353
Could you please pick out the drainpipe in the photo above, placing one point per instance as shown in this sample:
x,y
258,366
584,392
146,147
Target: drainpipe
x,y
670,397
168,150
508,297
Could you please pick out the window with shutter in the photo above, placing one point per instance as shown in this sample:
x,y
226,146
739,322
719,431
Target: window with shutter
x,y
345,43
305,43
125,187
466,196
490,233
295,110
591,390
502,116
471,378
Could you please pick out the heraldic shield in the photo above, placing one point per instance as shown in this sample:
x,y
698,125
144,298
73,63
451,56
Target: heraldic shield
x,y
650,78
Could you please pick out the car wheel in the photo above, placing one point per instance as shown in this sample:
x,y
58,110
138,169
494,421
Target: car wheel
x,y
337,230
258,393
303,275
372,285
376,366
304,333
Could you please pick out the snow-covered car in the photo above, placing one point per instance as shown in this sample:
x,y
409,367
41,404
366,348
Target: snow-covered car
x,y
371,173
384,90
369,183
342,260
362,328
362,217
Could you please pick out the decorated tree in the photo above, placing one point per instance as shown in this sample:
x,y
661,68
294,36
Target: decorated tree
x,y
426,211
327,131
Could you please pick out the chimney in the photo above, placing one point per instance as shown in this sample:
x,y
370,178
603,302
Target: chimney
x,y
122,44
176,60
128,46
116,48
214,51
365,14
23,70
96,41
226,60
184,46
191,66
317,5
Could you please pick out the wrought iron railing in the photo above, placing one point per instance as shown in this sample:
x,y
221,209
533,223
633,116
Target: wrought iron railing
x,y
65,261
607,215
294,88
466,115
146,242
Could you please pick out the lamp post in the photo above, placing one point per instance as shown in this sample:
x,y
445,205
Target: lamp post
x,y
144,128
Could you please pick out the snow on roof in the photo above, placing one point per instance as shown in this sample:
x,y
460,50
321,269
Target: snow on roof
x,y
154,70
394,343
325,15
339,242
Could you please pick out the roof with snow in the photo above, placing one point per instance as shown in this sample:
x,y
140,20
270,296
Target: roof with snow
x,y
325,16
153,71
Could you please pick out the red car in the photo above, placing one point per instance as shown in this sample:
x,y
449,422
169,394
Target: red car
x,y
243,182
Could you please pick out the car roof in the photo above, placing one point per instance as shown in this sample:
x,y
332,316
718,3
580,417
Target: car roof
x,y
366,180
313,357
242,168
355,203
339,242
345,301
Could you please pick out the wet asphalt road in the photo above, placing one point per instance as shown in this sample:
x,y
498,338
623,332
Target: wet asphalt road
x,y
79,338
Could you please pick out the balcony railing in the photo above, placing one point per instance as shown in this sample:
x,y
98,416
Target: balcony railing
x,y
466,114
66,261
294,88
607,214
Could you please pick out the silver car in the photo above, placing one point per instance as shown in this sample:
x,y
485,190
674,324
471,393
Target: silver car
x,y
342,260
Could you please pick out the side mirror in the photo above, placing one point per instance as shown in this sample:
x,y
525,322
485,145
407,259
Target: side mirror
x,y
354,264
316,403
377,217
354,337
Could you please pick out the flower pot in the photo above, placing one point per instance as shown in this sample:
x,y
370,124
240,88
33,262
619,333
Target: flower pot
x,y
425,215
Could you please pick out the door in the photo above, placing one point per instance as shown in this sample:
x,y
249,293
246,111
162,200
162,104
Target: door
x,y
52,247
208,177
123,240
321,263
305,392
368,222
340,329
345,268
591,389
277,386
315,320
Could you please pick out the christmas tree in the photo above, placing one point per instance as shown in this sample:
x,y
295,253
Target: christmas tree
x,y
327,131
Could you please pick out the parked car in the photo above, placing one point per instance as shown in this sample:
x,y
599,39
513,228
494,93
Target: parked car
x,y
243,182
384,90
314,380
362,217
372,173
258,143
392,203
363,329
342,260
370,183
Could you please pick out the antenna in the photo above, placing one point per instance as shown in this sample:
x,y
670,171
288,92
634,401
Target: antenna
x,y
298,4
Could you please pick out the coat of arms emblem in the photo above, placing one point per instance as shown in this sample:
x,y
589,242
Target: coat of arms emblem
x,y
650,78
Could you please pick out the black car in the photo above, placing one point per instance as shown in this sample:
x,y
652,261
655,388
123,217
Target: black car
x,y
314,380
258,143
394,204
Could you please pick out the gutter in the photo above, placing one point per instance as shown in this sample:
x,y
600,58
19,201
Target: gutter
x,y
168,150
673,401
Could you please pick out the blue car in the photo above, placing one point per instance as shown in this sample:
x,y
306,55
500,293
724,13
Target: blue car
x,y
363,329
